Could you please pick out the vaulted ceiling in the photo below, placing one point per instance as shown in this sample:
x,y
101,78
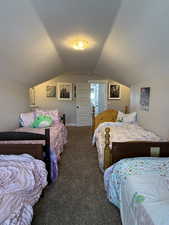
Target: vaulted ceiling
x,y
129,38
66,19
137,48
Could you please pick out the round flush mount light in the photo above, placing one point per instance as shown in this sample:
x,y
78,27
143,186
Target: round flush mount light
x,y
80,45
79,42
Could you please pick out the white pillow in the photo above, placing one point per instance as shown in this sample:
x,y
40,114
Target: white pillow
x,y
120,116
26,119
130,118
127,118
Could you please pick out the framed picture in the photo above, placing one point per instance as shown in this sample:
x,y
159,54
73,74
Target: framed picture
x,y
65,91
51,91
114,91
145,98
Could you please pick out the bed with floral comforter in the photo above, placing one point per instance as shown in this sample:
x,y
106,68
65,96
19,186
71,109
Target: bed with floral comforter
x,y
58,138
120,132
139,187
22,179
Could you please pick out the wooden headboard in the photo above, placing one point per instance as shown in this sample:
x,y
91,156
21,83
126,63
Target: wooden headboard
x,y
36,150
109,115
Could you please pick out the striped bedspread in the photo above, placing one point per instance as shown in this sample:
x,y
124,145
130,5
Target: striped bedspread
x,y
22,179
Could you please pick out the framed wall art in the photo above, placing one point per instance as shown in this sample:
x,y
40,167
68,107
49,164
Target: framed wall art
x,y
51,91
64,91
114,91
144,98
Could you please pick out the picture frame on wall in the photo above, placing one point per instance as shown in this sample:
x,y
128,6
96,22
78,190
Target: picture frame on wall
x,y
114,91
51,91
64,91
144,98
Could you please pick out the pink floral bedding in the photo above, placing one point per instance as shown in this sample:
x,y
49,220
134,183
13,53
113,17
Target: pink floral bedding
x,y
22,179
58,137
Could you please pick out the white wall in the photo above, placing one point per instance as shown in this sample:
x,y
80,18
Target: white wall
x,y
69,107
13,100
136,53
157,117
137,46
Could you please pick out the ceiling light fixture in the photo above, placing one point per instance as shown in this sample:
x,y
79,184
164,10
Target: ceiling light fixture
x,y
80,45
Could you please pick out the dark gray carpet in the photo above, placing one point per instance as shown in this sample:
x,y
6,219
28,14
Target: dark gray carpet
x,y
78,196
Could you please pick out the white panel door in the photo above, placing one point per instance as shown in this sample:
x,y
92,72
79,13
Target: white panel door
x,y
83,105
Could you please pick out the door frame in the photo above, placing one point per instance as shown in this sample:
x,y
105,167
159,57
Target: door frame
x,y
106,88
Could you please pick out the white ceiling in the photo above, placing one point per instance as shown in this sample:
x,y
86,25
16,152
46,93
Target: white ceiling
x,y
64,19
130,36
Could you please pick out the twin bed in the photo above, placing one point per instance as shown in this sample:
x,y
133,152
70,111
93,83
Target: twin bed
x,y
28,162
135,182
24,169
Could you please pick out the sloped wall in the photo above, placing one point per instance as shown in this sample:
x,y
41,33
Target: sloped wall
x,y
13,100
27,56
27,51
136,54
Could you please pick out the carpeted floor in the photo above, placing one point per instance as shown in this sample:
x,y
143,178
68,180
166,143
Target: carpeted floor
x,y
78,196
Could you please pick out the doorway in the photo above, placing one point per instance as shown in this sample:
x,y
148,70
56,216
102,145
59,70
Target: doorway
x,y
83,106
98,96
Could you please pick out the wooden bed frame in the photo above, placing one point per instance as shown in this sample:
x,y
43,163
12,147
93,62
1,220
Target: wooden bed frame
x,y
63,118
36,150
121,150
109,115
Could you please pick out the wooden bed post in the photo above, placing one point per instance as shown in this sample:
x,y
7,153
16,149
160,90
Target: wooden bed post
x,y
63,119
93,119
126,109
107,150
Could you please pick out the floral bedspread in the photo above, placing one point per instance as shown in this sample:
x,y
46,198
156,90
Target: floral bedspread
x,y
120,132
139,187
58,136
22,179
